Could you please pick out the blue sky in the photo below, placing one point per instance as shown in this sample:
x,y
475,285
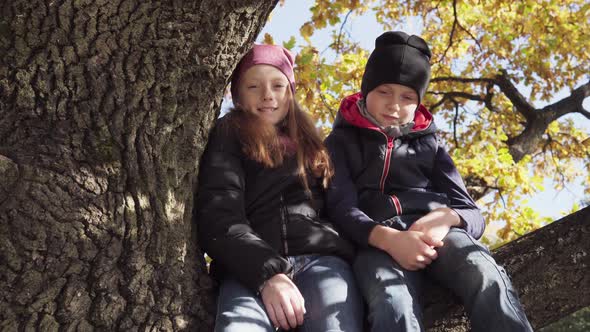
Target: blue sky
x,y
365,29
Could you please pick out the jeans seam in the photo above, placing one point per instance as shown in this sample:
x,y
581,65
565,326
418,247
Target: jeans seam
x,y
217,312
496,266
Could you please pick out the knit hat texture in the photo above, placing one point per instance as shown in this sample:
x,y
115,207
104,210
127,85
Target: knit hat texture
x,y
272,55
398,58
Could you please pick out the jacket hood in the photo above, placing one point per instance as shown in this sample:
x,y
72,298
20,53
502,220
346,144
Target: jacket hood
x,y
349,115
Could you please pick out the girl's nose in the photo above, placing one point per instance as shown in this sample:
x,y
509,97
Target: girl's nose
x,y
267,94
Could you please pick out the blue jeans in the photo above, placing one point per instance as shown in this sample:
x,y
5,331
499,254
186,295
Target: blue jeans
x,y
463,265
332,300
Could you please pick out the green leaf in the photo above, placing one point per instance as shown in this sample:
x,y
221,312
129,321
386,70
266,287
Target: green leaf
x,y
290,43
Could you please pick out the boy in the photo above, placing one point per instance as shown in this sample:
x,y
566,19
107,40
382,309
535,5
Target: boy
x,y
398,195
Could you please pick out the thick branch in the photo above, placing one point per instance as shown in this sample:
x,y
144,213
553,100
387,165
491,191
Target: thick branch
x,y
512,93
537,120
548,268
463,79
572,103
477,187
526,142
459,94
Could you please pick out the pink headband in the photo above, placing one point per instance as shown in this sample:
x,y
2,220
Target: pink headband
x,y
273,55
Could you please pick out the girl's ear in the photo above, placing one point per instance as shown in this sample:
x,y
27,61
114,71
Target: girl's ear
x,y
236,102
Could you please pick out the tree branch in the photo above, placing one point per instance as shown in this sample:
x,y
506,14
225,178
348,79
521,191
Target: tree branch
x,y
455,22
455,120
340,32
463,79
438,103
325,102
571,104
488,98
538,120
517,99
472,36
459,94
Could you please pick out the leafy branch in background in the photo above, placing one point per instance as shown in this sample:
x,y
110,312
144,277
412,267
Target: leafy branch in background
x,y
493,61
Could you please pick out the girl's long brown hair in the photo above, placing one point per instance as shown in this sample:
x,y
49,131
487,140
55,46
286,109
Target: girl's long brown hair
x,y
261,142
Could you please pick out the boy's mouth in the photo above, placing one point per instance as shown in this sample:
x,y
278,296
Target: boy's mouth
x,y
390,117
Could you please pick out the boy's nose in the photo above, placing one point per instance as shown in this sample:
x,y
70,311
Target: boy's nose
x,y
394,106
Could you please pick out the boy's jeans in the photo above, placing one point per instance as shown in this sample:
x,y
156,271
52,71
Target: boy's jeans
x,y
332,300
463,265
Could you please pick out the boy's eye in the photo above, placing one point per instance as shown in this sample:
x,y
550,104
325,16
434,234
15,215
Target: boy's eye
x,y
383,92
251,86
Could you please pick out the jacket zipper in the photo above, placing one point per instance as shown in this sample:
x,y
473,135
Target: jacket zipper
x,y
386,162
284,226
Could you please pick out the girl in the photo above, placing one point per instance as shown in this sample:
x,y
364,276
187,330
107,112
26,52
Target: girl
x,y
261,187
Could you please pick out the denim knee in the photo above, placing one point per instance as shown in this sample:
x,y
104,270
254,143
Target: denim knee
x,y
468,269
332,299
391,292
464,263
239,309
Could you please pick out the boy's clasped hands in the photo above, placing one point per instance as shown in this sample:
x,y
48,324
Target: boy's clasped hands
x,y
414,249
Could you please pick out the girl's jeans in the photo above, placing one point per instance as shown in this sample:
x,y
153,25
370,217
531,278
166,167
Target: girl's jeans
x,y
332,300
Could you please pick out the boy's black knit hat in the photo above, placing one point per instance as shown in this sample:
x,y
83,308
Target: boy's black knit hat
x,y
398,58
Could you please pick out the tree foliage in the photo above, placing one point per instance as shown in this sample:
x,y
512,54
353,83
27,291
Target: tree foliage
x,y
493,63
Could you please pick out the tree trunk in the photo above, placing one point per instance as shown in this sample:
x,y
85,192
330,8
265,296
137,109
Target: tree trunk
x,y
549,268
105,108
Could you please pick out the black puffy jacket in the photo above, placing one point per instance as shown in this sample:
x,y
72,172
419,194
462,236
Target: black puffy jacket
x,y
251,217
380,178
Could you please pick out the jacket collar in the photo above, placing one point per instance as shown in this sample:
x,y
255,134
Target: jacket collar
x,y
350,115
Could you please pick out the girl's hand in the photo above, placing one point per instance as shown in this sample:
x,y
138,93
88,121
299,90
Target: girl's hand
x,y
283,302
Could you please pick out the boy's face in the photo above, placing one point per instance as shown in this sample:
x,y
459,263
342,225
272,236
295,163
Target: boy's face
x,y
264,91
392,104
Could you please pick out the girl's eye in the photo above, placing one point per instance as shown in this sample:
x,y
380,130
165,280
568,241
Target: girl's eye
x,y
279,85
383,92
251,87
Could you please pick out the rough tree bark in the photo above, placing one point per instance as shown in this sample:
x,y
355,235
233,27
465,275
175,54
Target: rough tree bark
x,y
105,107
549,268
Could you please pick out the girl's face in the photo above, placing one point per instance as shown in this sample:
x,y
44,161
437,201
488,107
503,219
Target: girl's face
x,y
264,91
392,104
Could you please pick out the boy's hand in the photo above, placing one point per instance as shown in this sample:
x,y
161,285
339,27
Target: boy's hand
x,y
283,302
437,223
412,250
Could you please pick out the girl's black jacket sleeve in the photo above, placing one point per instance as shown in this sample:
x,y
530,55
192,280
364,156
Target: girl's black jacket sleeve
x,y
224,231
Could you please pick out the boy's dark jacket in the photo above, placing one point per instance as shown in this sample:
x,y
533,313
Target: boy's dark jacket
x,y
391,180
250,217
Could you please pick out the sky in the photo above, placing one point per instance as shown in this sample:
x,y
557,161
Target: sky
x,y
365,29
